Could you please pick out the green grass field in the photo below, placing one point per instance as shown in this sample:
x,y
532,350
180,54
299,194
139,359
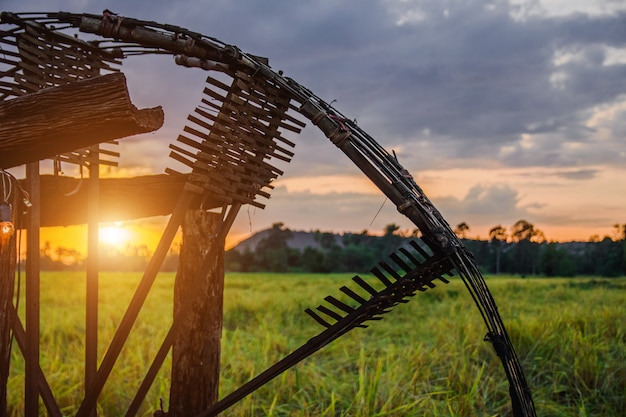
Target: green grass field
x,y
426,358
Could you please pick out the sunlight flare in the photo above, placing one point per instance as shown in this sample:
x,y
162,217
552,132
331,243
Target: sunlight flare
x,y
115,235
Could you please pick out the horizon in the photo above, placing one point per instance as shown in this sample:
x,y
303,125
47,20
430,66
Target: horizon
x,y
120,236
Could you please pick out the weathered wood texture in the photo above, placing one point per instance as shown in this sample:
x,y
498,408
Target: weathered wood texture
x,y
72,116
196,352
64,200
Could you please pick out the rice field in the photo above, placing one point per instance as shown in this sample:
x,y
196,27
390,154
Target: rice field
x,y
426,358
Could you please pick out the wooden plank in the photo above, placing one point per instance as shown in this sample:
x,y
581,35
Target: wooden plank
x,y
66,198
218,83
61,119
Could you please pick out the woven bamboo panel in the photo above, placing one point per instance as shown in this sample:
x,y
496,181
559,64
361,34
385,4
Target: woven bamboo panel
x,y
35,56
232,136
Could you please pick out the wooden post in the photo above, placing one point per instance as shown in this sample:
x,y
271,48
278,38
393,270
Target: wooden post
x,y
91,296
31,356
8,260
196,352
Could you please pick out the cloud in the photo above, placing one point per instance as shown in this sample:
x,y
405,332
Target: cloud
x,y
581,174
469,73
305,210
482,207
474,77
485,204
455,84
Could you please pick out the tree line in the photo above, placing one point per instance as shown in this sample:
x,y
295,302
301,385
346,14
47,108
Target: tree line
x,y
131,258
522,250
349,252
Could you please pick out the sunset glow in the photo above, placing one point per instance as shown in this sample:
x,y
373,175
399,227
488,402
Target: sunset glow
x,y
115,235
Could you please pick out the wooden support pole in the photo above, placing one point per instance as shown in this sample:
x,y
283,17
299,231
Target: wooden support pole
x,y
44,388
143,288
206,263
72,116
31,356
196,350
8,261
91,296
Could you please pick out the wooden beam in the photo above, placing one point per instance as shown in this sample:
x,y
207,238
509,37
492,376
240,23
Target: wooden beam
x,y
69,117
33,284
64,200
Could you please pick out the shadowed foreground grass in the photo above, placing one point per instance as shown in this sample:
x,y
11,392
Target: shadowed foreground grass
x,y
426,358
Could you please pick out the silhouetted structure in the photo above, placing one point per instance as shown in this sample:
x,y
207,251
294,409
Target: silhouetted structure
x,y
228,144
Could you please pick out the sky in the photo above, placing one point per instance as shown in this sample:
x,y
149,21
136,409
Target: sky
x,y
501,110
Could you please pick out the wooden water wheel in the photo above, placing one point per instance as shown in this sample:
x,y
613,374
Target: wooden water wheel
x,y
227,147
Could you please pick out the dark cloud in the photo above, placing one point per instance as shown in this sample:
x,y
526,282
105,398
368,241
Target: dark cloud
x,y
575,175
582,174
469,73
474,77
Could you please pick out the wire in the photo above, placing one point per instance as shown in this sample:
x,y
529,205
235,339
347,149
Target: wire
x,y
378,212
7,184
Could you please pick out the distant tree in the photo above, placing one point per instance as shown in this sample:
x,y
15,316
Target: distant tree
x,y
391,229
326,240
526,253
497,233
609,258
555,261
276,238
312,260
620,236
390,240
461,230
355,238
59,258
524,230
272,253
497,239
482,253
624,249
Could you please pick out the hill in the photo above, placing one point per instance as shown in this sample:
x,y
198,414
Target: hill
x,y
296,239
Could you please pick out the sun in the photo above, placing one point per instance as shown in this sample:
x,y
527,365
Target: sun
x,y
114,235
